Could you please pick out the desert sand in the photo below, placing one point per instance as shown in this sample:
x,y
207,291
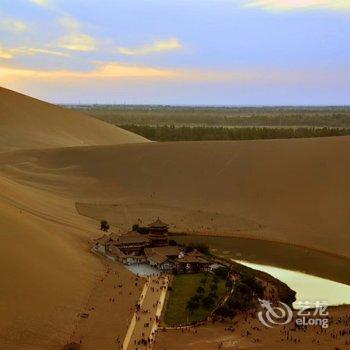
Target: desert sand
x,y
27,123
294,191
233,335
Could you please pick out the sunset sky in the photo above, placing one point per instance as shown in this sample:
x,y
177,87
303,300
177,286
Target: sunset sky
x,y
218,52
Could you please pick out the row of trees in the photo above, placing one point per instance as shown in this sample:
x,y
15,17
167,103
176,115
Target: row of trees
x,y
222,116
201,133
206,295
243,294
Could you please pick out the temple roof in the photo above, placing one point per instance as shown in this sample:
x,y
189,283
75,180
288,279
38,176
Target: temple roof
x,y
166,250
130,237
188,259
193,257
158,258
158,224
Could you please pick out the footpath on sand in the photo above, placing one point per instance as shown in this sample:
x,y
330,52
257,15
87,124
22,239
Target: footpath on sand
x,y
144,323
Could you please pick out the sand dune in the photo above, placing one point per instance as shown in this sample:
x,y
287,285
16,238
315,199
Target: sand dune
x,y
47,271
294,191
29,123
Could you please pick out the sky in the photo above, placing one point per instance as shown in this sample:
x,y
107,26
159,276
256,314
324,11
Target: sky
x,y
177,52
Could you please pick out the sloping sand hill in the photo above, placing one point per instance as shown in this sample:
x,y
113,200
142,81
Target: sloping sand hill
x,y
29,123
295,191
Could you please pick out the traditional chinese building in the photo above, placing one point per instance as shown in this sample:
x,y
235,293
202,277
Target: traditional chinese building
x,y
126,248
131,243
158,233
162,258
192,262
152,248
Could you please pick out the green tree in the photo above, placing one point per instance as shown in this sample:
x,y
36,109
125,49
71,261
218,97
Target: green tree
x,y
104,225
192,305
200,290
208,302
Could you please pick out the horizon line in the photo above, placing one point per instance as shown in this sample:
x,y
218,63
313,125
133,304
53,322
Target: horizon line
x,y
201,105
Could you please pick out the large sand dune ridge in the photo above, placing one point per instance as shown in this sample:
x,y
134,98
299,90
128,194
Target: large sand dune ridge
x,y
294,191
27,123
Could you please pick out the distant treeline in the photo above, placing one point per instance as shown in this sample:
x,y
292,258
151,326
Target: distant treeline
x,y
221,116
199,133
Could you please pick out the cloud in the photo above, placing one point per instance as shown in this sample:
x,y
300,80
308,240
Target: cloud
x,y
75,40
13,25
102,70
5,53
43,3
116,71
143,82
78,42
34,51
157,47
69,23
290,5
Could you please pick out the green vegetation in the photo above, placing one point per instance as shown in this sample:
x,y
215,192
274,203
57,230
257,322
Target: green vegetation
x,y
193,297
140,229
274,254
245,291
104,225
201,247
166,123
220,116
204,133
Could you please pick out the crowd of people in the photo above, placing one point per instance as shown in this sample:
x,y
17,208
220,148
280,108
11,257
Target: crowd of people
x,y
147,313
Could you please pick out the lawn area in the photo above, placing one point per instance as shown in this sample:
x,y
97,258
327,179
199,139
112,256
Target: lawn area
x,y
184,287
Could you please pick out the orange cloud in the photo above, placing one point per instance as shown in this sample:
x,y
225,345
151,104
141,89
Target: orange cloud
x,y
156,47
5,54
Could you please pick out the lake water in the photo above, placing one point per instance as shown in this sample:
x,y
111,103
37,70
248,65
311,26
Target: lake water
x,y
309,288
314,275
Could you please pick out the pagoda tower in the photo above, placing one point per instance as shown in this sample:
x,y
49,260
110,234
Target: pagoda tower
x,y
158,233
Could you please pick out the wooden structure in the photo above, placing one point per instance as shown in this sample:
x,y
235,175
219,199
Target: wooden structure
x,y
131,243
127,248
158,233
192,262
162,258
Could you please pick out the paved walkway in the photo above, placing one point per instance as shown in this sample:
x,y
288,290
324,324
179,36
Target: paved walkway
x,y
144,324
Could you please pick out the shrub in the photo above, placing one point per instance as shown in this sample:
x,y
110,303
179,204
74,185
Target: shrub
x,y
215,279
140,229
200,290
104,225
222,272
192,305
242,297
213,287
213,295
201,247
229,284
225,311
208,302
253,284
